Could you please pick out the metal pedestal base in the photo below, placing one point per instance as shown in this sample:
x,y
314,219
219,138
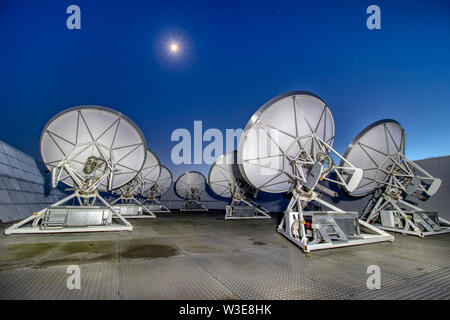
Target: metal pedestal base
x,y
133,211
416,222
70,219
420,234
327,229
193,205
155,206
248,210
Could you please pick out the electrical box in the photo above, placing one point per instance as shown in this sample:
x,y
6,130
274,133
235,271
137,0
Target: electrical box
x,y
387,218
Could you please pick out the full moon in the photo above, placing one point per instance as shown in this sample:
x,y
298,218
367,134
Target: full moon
x,y
173,47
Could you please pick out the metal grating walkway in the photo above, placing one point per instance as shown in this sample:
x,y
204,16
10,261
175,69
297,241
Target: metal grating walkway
x,y
201,256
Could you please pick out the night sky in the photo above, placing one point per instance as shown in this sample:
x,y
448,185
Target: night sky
x,y
234,56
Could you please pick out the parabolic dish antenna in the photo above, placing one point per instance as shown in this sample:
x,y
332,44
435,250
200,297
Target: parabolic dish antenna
x,y
150,172
189,186
84,143
130,206
224,174
279,139
379,150
153,193
285,147
161,186
370,151
226,180
91,149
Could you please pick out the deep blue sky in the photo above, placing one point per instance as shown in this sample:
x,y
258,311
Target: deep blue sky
x,y
236,55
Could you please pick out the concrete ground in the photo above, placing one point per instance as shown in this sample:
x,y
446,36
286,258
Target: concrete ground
x,y
201,256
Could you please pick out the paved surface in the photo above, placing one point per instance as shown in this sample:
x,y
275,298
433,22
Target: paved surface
x,y
201,256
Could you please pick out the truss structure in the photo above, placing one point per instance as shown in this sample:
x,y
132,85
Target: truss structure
x,y
90,149
316,230
190,186
226,181
390,177
153,200
286,147
127,203
388,209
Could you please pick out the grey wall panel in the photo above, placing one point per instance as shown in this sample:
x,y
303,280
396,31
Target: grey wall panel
x,y
440,202
23,186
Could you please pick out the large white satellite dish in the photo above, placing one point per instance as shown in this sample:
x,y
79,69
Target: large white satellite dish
x,y
226,180
390,176
189,186
153,192
130,206
286,147
91,149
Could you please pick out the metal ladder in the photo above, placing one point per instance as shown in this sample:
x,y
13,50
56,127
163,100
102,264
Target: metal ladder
x,y
330,231
423,219
53,220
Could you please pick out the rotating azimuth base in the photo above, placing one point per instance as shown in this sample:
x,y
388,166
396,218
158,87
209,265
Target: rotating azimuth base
x,y
390,177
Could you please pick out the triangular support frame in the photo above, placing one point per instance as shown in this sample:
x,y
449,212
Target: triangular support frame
x,y
293,226
38,217
195,206
412,222
155,203
126,202
239,201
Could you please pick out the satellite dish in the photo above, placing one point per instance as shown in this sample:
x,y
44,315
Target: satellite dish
x,y
154,192
226,180
151,172
130,206
189,186
91,149
285,147
370,154
84,142
379,150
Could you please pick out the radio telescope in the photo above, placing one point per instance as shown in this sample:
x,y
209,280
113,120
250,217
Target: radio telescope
x,y
90,149
153,192
130,206
189,186
379,150
286,147
225,180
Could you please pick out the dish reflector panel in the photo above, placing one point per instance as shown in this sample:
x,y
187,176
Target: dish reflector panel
x,y
224,174
370,151
150,171
89,138
191,183
280,132
161,186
